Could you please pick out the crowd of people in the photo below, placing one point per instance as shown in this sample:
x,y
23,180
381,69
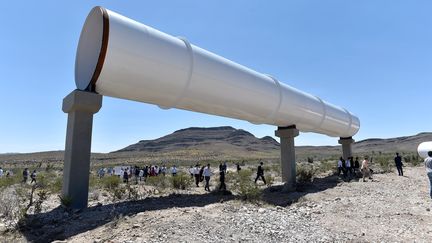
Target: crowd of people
x,y
349,167
198,173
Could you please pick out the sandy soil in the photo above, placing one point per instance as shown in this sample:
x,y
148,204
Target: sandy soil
x,y
388,209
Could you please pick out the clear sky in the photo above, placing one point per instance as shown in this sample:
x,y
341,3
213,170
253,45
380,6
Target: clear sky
x,y
373,57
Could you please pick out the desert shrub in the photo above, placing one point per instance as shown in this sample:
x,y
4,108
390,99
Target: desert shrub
x,y
276,168
247,189
9,181
65,200
310,159
269,179
118,192
305,173
161,182
110,182
416,162
42,196
407,158
181,181
11,207
385,164
326,166
56,185
132,192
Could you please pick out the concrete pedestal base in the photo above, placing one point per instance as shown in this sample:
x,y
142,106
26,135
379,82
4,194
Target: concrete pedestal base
x,y
288,161
80,106
346,146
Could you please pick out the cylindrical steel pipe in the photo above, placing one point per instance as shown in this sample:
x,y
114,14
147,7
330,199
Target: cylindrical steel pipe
x,y
424,148
122,58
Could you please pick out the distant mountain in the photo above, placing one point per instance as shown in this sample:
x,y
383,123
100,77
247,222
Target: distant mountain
x,y
213,138
229,140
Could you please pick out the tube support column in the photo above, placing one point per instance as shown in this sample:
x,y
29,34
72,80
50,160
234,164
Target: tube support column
x,y
80,106
288,161
346,146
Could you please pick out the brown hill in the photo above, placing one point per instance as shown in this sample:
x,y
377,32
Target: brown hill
x,y
213,138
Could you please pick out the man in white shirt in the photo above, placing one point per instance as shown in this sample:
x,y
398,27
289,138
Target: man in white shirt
x,y
174,170
207,173
428,165
1,172
196,173
340,166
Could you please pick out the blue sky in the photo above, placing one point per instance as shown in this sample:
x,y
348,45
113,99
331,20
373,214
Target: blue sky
x,y
373,57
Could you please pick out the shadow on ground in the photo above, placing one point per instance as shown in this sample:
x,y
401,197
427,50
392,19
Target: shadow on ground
x,y
276,195
59,224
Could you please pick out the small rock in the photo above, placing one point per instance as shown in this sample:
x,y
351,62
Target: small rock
x,y
261,210
428,209
136,226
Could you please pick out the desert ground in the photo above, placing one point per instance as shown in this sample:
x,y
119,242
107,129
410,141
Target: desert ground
x,y
389,208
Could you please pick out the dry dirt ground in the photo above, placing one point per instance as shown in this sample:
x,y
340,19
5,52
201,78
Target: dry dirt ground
x,y
388,209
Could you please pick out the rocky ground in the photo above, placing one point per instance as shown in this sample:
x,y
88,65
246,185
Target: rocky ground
x,y
387,209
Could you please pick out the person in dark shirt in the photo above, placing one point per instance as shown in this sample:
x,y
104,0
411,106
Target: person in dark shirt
x,y
398,163
33,177
222,170
25,175
260,173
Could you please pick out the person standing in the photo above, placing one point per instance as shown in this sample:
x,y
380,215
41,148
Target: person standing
x,y
238,168
207,173
222,177
348,167
25,175
33,177
398,163
260,173
340,166
174,170
365,169
428,165
196,173
1,172
125,176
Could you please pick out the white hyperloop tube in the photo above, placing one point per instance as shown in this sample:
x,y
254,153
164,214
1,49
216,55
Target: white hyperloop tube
x,y
122,58
424,148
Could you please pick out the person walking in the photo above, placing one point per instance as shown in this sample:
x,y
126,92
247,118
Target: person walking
x,y
196,173
340,166
25,175
260,173
398,163
238,168
222,177
207,174
1,172
33,177
365,169
428,165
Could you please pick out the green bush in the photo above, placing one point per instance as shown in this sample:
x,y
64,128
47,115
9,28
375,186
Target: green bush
x,y
110,182
160,182
247,189
181,181
65,200
9,181
305,173
385,164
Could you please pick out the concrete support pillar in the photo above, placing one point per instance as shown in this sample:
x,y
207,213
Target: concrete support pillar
x,y
80,106
346,146
288,161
